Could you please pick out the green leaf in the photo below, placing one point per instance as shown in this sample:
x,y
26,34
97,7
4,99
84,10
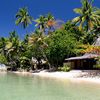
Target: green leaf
x,y
18,21
78,10
76,19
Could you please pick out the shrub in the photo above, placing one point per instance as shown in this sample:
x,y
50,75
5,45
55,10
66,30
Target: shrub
x,y
25,63
64,68
97,63
3,59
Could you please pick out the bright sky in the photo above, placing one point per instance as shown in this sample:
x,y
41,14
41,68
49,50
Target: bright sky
x,y
61,9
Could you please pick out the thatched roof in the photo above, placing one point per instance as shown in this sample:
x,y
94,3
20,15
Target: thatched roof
x,y
85,56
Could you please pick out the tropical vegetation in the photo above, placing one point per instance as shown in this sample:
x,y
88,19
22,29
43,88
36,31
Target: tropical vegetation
x,y
51,42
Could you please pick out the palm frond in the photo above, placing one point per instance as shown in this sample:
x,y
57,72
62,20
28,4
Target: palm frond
x,y
78,10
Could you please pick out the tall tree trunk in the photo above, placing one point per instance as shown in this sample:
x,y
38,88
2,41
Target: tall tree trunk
x,y
46,58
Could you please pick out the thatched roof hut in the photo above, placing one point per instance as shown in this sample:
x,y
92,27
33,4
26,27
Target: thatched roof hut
x,y
86,61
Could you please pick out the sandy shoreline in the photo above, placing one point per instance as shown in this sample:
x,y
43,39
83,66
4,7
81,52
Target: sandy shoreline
x,y
74,76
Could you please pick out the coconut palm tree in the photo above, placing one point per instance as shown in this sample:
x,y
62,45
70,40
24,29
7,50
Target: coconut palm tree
x,y
3,42
41,23
23,17
38,41
50,22
13,49
45,22
89,15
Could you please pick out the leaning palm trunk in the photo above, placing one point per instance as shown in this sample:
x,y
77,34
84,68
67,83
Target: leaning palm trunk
x,y
46,58
42,30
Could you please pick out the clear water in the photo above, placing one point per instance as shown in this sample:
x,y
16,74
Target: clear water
x,y
17,87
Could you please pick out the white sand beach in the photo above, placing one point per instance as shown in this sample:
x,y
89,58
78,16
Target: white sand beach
x,y
78,76
75,75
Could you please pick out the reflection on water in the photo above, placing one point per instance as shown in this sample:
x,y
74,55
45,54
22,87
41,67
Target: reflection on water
x,y
28,87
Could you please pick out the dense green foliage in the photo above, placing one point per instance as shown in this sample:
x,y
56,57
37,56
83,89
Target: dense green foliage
x,y
60,46
3,60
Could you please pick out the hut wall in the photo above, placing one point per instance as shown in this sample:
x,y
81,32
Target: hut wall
x,y
84,64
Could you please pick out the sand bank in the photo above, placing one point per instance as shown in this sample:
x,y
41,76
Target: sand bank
x,y
74,75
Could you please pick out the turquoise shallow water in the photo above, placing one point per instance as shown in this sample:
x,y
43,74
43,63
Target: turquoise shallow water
x,y
19,87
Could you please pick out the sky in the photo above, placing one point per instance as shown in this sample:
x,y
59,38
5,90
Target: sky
x,y
61,9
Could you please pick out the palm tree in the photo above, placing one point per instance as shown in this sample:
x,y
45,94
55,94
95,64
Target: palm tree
x,y
23,17
3,42
41,23
89,15
50,22
13,49
38,40
45,22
